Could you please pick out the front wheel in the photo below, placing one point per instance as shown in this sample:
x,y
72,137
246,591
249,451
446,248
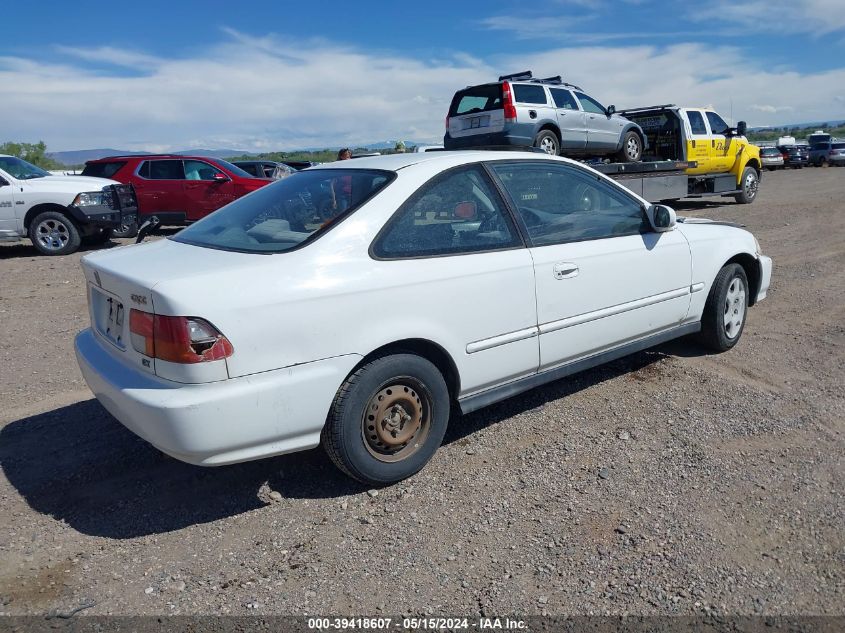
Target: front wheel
x,y
749,183
53,233
632,148
388,419
547,141
726,308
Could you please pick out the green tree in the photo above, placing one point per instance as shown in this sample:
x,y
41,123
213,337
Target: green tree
x,y
35,153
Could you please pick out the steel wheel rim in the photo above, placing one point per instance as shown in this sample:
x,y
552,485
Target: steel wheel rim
x,y
52,235
549,146
735,307
632,147
396,420
751,185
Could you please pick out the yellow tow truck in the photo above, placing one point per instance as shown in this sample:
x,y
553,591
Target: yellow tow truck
x,y
692,152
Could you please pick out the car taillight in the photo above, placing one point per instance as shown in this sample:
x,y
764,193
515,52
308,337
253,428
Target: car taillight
x,y
177,339
507,101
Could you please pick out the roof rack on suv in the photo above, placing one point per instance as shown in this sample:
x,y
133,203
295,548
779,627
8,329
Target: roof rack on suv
x,y
643,109
527,75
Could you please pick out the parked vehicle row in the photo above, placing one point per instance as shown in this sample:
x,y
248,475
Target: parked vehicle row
x,y
826,153
549,268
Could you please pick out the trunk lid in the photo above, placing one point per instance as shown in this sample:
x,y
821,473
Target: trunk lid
x,y
477,110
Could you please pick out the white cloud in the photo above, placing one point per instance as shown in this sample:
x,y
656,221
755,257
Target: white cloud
x,y
775,16
273,93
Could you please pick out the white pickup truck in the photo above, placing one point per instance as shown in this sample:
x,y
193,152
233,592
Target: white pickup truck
x,y
58,212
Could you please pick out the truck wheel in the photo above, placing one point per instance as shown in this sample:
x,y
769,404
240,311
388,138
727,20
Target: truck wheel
x,y
726,308
388,419
53,233
126,230
632,148
749,184
547,141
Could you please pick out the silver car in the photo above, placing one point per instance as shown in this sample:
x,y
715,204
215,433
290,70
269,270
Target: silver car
x,y
771,158
551,114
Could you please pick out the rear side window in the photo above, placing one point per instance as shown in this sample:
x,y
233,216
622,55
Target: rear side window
x,y
250,168
162,170
837,146
455,213
696,122
103,170
282,215
524,93
476,99
563,99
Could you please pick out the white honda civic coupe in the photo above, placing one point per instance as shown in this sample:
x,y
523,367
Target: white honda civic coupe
x,y
353,303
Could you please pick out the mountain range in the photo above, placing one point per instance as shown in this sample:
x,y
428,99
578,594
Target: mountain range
x,y
79,157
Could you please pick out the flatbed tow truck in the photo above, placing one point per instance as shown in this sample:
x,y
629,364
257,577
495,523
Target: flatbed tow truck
x,y
692,153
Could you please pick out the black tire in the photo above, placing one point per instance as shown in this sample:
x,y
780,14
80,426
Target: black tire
x,y
749,184
548,142
391,452
720,329
53,233
632,148
126,230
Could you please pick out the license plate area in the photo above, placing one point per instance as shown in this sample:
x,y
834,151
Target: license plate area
x,y
109,317
476,122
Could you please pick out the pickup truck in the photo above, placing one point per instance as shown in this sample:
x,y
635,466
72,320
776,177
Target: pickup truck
x,y
58,212
716,159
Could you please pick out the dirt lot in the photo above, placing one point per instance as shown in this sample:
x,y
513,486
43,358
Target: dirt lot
x,y
669,482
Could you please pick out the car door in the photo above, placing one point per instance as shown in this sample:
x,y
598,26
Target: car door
x,y
8,222
698,142
722,147
570,119
453,250
603,131
603,278
204,193
159,188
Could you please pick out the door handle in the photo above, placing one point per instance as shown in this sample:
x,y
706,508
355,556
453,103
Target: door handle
x,y
565,270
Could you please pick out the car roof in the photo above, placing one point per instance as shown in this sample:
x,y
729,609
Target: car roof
x,y
146,156
395,162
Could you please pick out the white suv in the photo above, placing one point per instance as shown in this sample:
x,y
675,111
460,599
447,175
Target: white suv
x,y
555,116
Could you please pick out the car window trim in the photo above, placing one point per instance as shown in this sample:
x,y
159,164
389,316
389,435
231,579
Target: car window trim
x,y
523,228
518,235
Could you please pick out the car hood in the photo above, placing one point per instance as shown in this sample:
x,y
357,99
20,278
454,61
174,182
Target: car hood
x,y
69,183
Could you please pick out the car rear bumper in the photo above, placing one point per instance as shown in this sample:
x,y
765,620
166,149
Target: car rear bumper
x,y
765,277
517,136
217,423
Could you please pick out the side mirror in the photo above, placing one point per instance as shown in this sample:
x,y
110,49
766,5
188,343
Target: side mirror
x,y
661,217
611,110
741,128
219,177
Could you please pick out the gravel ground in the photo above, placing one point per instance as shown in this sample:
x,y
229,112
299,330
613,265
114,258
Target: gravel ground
x,y
671,482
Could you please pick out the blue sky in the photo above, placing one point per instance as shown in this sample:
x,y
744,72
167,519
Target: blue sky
x,y
161,76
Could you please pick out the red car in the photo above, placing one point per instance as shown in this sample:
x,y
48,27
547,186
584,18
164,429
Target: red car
x,y
178,189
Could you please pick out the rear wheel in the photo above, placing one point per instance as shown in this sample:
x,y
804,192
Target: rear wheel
x,y
726,308
548,142
749,184
388,419
632,148
53,233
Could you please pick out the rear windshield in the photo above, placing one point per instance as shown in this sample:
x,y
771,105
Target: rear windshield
x,y
103,170
477,99
287,213
770,151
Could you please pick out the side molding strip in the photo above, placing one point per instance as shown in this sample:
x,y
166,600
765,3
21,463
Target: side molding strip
x,y
477,401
